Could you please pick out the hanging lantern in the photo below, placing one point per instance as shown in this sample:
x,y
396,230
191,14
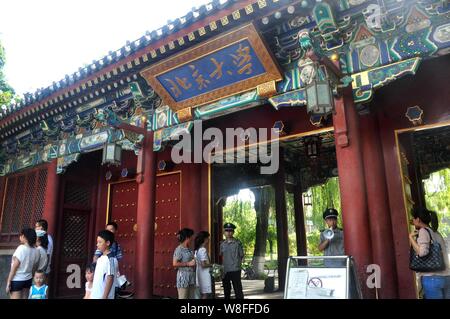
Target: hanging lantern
x,y
112,154
312,146
307,199
319,98
319,95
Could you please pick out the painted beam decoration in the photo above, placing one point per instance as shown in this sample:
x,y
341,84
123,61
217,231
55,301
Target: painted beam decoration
x,y
66,151
226,106
365,82
291,98
228,64
170,134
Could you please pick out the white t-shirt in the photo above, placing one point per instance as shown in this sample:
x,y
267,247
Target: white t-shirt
x,y
42,258
28,258
106,266
49,252
203,275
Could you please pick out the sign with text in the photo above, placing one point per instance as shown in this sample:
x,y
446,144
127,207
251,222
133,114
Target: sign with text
x,y
317,283
226,65
308,279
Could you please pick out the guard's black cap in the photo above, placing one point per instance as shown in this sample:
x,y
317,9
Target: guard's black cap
x,y
330,213
229,226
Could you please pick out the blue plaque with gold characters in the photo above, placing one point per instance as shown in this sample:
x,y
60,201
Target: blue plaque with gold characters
x,y
226,65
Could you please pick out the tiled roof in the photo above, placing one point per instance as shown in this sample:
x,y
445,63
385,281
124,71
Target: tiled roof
x,y
113,57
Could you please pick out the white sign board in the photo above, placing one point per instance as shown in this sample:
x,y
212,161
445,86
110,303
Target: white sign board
x,y
316,283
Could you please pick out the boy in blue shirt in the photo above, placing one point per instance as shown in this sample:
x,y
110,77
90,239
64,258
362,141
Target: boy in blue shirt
x,y
39,290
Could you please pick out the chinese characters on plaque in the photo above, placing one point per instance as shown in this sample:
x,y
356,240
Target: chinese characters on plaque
x,y
237,62
228,64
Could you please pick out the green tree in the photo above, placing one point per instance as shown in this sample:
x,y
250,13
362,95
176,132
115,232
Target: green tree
x,y
292,236
437,198
272,234
242,214
6,91
262,205
323,196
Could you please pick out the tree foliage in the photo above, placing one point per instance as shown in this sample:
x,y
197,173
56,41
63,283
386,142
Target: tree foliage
x,y
323,196
243,215
6,91
437,198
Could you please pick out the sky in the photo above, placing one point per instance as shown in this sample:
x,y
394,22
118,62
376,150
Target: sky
x,y
244,194
46,39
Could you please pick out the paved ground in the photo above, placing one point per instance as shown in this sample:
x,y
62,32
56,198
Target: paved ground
x,y
253,289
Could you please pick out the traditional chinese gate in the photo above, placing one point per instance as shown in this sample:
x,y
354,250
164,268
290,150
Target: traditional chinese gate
x,y
122,210
167,224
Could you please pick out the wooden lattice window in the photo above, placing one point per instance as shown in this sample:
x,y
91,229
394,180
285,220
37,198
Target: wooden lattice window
x,y
75,235
77,194
23,202
77,202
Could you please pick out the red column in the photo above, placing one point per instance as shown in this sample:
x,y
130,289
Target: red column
x,y
281,220
50,212
146,221
299,222
378,203
406,285
352,186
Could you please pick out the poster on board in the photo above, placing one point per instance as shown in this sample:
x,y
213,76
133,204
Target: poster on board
x,y
316,283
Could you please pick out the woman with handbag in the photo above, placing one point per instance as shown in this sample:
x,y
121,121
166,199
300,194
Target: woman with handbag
x,y
429,256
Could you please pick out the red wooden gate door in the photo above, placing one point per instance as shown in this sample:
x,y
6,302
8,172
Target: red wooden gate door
x,y
122,210
167,224
76,240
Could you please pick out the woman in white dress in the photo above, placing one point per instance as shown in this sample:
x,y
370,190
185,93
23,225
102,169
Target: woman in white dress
x,y
203,264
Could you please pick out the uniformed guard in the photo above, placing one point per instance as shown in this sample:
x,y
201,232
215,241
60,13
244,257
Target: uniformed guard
x,y
232,252
332,239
